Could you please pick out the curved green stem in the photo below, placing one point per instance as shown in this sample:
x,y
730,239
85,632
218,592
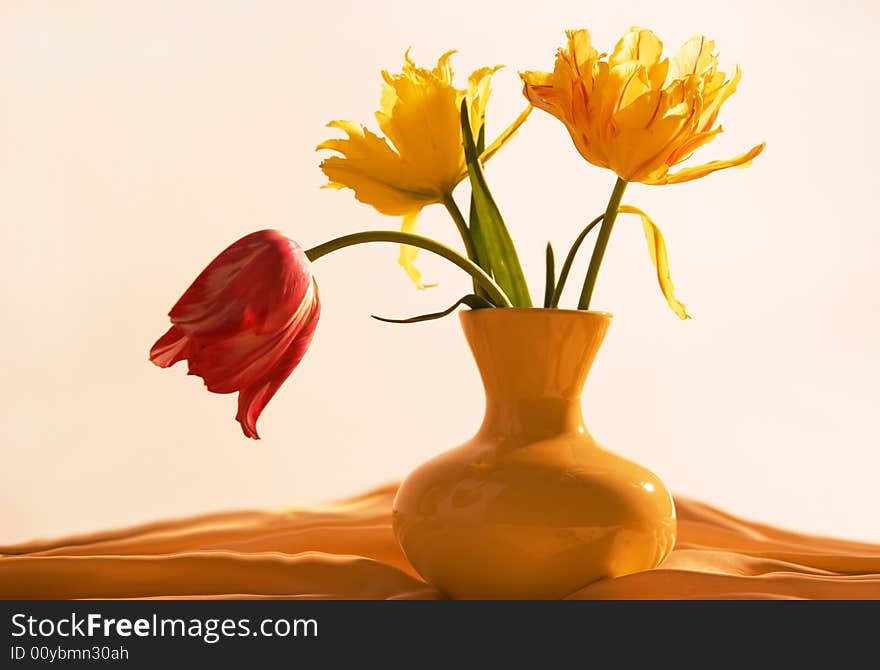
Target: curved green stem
x,y
601,243
569,259
492,289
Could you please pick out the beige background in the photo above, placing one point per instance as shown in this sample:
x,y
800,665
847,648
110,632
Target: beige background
x,y
137,139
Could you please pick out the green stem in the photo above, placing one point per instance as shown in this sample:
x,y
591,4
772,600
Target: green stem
x,y
397,237
461,224
464,231
569,259
601,243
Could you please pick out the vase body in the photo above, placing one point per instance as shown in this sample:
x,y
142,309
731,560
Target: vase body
x,y
532,507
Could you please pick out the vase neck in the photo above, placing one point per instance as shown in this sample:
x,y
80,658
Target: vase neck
x,y
532,419
533,363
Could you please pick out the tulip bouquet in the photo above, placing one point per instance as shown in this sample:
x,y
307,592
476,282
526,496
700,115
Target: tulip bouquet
x,y
247,320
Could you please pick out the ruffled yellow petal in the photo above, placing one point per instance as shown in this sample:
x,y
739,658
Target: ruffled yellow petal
x,y
640,113
713,98
443,71
541,91
638,45
566,92
580,52
420,118
374,171
478,95
622,86
657,250
420,159
695,57
639,149
688,174
694,142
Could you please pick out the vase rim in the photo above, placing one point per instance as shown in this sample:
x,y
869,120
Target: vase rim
x,y
548,310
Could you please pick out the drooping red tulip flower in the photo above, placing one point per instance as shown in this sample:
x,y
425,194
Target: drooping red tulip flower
x,y
246,321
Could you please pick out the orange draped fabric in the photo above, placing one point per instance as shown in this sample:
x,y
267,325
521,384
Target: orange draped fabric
x,y
348,550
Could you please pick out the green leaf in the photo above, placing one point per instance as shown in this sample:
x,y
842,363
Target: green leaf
x,y
480,251
471,300
550,277
501,252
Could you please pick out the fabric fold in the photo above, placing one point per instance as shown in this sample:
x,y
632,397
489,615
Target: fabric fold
x,y
348,551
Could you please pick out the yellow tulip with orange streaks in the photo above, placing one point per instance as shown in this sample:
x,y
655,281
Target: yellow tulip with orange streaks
x,y
633,112
639,115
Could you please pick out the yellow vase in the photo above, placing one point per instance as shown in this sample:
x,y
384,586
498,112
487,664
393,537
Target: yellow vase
x,y
532,507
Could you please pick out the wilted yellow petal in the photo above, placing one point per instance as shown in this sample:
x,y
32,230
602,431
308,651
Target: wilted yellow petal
x,y
506,135
408,254
657,249
687,174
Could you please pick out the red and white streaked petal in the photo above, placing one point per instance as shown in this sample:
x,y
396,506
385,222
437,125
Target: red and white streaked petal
x,y
170,348
254,398
245,322
236,290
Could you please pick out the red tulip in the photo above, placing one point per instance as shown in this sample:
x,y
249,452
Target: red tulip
x,y
246,321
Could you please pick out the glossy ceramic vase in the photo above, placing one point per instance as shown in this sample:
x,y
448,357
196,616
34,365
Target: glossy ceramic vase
x,y
532,506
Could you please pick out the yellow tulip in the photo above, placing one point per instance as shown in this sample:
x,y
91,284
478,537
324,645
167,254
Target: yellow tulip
x,y
634,113
420,159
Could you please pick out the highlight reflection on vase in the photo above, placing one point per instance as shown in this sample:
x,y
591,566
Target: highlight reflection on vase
x,y
532,506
